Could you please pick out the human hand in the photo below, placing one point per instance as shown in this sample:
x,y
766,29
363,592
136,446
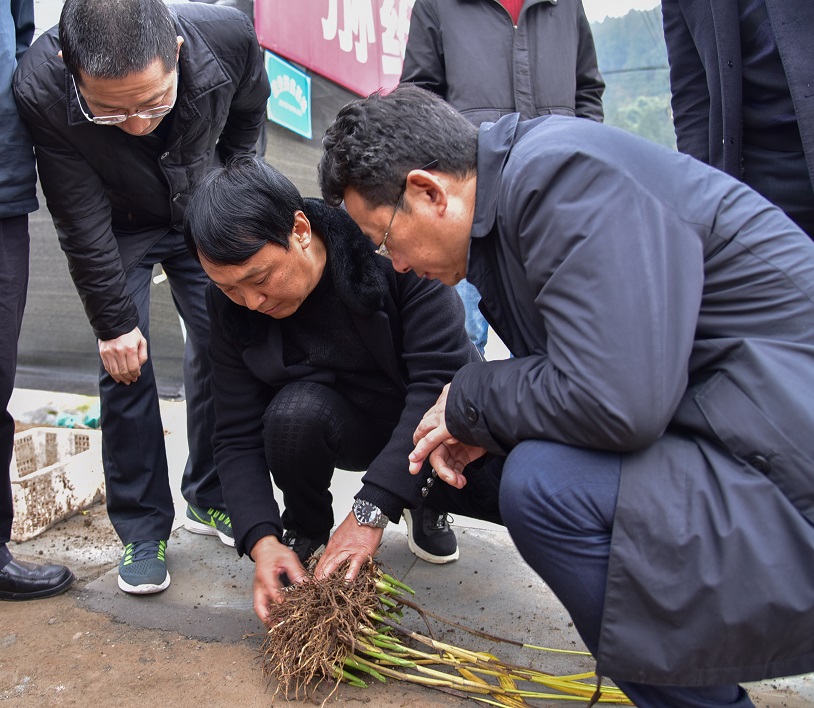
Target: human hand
x,y
351,541
448,456
272,559
124,356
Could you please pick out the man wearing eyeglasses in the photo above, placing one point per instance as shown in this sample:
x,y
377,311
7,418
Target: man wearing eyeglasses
x,y
655,424
130,104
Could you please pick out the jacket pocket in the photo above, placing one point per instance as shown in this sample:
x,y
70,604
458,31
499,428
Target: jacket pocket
x,y
752,437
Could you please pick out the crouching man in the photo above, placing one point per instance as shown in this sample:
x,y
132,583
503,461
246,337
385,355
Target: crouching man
x,y
656,421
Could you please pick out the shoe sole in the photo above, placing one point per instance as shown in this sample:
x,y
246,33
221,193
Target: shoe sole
x,y
38,594
420,552
146,589
197,527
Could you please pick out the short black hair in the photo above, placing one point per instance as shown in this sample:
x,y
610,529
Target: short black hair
x,y
111,39
375,142
239,208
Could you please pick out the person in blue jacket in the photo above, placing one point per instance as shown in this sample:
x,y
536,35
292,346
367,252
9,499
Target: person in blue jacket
x,y
655,421
19,580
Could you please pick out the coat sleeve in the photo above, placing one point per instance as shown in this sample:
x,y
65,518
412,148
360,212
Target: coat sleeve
x,y
23,13
82,216
240,402
590,84
688,84
247,112
424,54
614,281
434,345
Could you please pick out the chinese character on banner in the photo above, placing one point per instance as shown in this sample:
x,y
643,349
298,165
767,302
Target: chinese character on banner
x,y
395,19
357,22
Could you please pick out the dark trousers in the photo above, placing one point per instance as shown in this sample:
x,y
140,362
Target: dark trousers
x,y
308,430
139,501
14,247
559,504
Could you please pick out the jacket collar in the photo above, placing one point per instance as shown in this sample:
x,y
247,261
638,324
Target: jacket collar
x,y
495,142
199,68
355,267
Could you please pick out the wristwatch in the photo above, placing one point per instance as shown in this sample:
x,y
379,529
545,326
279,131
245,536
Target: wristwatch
x,y
368,514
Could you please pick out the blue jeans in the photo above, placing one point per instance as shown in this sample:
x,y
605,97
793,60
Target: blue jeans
x,y
558,503
476,327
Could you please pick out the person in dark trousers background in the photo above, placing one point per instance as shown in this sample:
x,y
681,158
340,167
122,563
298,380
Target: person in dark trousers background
x,y
323,356
655,421
19,580
130,104
489,58
741,75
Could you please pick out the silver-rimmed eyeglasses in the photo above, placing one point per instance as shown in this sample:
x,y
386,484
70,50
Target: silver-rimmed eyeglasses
x,y
382,249
146,114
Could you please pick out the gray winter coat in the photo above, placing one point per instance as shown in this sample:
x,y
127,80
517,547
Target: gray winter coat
x,y
659,308
113,195
470,53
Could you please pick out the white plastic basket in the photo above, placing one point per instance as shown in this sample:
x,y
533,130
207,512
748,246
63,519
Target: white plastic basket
x,y
55,473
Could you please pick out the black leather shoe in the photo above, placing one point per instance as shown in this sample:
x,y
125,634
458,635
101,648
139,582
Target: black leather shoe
x,y
20,580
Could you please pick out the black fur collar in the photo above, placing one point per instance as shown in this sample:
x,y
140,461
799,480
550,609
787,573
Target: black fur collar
x,y
358,274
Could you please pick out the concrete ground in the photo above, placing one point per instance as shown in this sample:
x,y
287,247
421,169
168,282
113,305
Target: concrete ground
x,y
200,640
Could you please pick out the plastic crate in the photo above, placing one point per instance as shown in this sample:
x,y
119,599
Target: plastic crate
x,y
55,473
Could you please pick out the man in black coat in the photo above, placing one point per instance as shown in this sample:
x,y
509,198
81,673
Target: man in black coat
x,y
740,74
19,580
324,357
129,105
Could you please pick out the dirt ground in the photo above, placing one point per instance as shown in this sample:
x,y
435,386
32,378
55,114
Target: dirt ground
x,y
55,652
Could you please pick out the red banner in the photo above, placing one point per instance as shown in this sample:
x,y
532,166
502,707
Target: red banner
x,y
356,43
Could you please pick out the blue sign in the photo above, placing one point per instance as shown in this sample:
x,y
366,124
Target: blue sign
x,y
290,101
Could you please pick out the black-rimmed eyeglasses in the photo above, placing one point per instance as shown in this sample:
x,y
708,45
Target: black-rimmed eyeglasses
x,y
382,249
146,114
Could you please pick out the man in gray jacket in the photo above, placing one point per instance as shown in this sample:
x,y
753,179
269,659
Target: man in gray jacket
x,y
656,420
130,104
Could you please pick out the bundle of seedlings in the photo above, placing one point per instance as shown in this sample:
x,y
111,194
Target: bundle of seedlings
x,y
329,629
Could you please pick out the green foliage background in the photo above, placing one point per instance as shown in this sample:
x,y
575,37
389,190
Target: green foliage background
x,y
633,60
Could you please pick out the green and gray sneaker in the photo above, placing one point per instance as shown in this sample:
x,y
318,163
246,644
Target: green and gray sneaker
x,y
209,522
142,569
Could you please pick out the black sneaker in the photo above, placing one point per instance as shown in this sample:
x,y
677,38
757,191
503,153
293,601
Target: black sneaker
x,y
305,547
429,535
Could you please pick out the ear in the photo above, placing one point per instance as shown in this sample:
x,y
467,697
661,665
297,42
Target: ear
x,y
180,40
426,189
301,232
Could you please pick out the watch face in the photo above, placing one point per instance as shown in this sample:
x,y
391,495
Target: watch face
x,y
367,514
